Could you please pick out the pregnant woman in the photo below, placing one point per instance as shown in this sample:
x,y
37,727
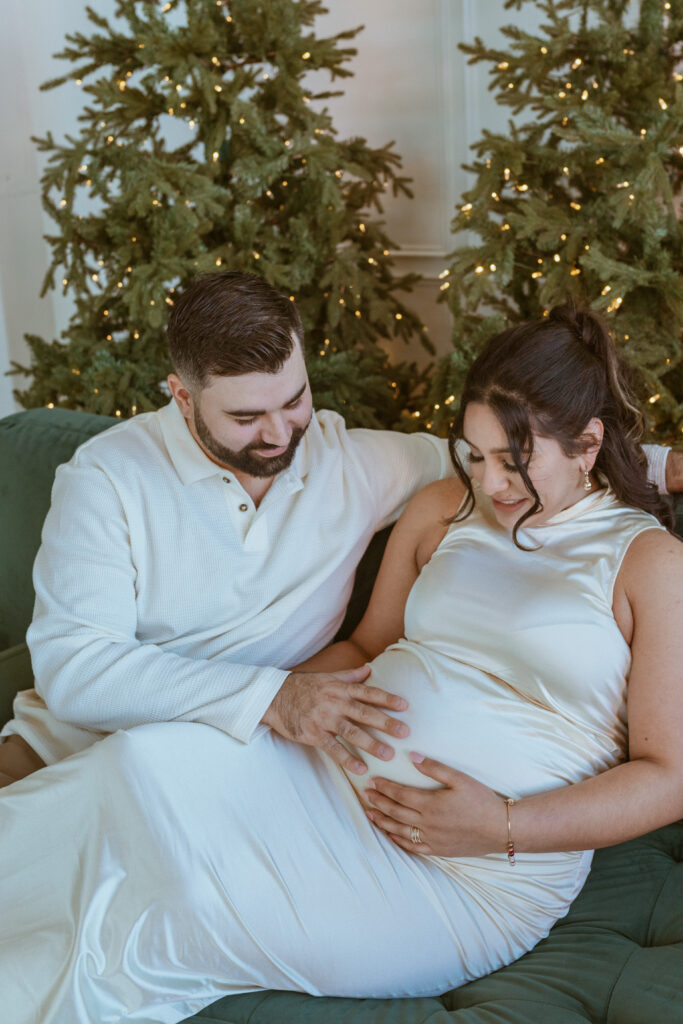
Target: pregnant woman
x,y
169,865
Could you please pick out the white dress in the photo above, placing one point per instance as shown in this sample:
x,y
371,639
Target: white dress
x,y
169,865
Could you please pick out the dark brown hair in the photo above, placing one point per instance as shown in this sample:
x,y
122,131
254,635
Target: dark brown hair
x,y
551,377
228,324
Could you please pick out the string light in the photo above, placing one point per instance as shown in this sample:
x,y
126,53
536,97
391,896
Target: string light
x,y
654,398
503,66
663,104
479,270
606,289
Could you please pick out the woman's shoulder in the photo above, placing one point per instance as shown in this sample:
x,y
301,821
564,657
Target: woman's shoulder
x,y
439,500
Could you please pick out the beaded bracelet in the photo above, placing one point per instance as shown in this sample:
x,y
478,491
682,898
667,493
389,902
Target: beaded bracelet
x,y
510,847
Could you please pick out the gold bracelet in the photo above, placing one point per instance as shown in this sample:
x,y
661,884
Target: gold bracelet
x,y
510,848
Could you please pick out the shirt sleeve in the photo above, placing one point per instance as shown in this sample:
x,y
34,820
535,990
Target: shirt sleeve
x,y
89,666
396,466
656,456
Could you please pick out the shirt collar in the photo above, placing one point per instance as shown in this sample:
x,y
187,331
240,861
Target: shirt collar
x,y
191,464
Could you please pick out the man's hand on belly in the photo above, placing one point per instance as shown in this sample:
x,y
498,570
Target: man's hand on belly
x,y
314,708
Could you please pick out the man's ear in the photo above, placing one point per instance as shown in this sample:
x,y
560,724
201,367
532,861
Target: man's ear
x,y
592,436
181,395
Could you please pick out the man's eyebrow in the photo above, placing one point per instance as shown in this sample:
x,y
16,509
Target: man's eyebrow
x,y
494,451
252,413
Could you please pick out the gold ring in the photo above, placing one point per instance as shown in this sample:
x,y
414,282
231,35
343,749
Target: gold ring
x,y
415,836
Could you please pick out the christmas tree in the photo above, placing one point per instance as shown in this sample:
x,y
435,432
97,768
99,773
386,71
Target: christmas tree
x,y
580,196
203,145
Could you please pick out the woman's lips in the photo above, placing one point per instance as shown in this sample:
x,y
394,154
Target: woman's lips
x,y
508,506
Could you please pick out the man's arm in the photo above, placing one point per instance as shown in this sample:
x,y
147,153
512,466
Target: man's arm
x,y
90,668
674,472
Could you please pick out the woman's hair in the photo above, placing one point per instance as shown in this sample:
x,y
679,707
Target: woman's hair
x,y
230,323
551,377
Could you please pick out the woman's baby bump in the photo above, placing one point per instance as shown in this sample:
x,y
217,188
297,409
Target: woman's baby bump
x,y
471,721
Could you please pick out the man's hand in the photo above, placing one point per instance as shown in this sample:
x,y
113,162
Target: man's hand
x,y
315,708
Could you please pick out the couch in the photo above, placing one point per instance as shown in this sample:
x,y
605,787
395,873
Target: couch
x,y
616,958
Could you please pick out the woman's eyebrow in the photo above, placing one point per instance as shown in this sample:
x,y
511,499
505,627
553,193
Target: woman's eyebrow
x,y
494,451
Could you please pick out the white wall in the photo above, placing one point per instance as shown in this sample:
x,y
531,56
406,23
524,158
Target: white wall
x,y
411,85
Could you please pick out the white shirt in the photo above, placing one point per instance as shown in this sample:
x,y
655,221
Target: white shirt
x,y
163,593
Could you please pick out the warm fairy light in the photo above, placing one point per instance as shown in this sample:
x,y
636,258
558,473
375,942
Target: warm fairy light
x,y
539,260
122,85
358,313
50,405
215,60
511,85
492,267
606,290
537,273
585,94
62,202
522,188
171,111
134,409
178,88
241,120
574,272
614,304
563,238
372,261
654,398
506,173
65,281
556,257
94,277
494,195
451,398
256,255
361,227
575,206
577,64
445,286
398,316
562,94
600,160
215,155
110,138
504,227
643,131
479,270
586,247
466,208
118,412
152,302
218,88
288,143
306,55
503,66
218,262
663,104
565,170
624,184
544,49
105,312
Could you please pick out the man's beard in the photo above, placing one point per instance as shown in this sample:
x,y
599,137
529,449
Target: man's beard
x,y
246,460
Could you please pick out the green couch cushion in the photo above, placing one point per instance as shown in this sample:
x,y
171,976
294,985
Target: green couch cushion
x,y
32,445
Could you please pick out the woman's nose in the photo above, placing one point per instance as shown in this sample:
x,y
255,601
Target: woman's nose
x,y
493,479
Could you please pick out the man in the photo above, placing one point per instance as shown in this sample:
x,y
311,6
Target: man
x,y
193,556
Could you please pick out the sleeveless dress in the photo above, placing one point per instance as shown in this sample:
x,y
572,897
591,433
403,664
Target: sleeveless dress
x,y
169,865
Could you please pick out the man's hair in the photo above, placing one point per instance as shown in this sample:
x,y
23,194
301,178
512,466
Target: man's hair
x,y
228,324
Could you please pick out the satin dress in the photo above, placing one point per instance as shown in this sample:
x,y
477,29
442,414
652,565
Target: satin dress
x,y
169,865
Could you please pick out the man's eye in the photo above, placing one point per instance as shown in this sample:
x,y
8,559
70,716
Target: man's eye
x,y
245,423
297,401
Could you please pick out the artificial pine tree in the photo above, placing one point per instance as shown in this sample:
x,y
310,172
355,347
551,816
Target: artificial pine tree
x,y
581,198
202,145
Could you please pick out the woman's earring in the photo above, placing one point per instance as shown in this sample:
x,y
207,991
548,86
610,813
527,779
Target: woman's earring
x,y
587,485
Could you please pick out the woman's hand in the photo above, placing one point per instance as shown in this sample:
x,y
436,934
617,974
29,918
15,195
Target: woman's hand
x,y
462,819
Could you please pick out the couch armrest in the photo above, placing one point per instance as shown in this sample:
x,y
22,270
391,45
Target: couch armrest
x,y
15,674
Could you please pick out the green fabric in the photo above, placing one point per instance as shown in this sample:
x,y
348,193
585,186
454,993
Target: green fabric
x,y
32,445
15,675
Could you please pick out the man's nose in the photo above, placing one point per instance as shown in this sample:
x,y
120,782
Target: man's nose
x,y
277,430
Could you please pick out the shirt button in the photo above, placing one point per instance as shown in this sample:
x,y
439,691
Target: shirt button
x,y
226,479
243,507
